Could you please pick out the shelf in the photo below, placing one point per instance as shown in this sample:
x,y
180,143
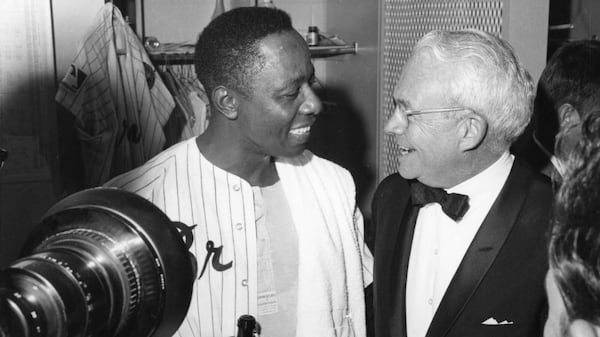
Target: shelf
x,y
332,50
171,53
177,53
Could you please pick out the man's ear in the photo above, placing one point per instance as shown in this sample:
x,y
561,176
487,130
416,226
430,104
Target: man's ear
x,y
568,116
472,130
583,328
225,101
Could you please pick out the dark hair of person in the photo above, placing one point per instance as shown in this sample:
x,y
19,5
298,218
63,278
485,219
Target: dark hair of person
x,y
572,75
574,251
227,51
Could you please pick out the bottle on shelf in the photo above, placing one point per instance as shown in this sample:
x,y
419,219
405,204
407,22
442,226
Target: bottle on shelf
x,y
267,3
312,38
246,326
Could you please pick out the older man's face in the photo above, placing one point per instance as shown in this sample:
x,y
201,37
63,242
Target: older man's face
x,y
428,143
556,324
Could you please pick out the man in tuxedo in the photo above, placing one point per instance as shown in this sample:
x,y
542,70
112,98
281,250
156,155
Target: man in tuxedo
x,y
568,89
471,262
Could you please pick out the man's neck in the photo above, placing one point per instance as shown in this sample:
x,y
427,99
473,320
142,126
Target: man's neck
x,y
473,165
256,169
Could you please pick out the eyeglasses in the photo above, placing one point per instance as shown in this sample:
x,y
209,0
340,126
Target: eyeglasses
x,y
399,119
412,112
3,156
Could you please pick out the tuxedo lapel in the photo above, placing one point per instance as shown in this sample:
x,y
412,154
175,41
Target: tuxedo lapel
x,y
483,250
401,259
395,227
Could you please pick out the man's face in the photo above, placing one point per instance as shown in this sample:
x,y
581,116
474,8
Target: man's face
x,y
277,116
556,324
428,143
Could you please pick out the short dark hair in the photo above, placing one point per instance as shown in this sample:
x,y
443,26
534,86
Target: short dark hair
x,y
574,251
572,75
227,50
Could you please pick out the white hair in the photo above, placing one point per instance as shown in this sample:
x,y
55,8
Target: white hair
x,y
490,80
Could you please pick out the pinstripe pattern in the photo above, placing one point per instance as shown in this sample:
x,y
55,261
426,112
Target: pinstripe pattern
x,y
120,113
188,188
191,190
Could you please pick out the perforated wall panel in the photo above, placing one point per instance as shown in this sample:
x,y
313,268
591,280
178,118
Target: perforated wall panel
x,y
404,23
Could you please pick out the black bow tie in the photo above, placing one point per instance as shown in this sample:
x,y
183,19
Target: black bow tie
x,y
454,205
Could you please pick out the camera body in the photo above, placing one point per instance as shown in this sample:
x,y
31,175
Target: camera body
x,y
102,262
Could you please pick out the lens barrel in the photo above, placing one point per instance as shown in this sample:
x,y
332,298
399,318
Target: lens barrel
x,y
102,262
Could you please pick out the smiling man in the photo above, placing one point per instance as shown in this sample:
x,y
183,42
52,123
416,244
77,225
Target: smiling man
x,y
460,229
277,233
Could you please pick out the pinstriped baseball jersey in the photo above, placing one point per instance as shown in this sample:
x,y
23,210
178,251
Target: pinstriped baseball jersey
x,y
120,103
189,189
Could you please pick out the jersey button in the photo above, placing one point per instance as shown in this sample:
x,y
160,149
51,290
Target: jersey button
x,y
236,187
239,226
244,282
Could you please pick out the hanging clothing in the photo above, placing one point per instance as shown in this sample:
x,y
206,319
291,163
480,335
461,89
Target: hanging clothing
x,y
120,103
192,107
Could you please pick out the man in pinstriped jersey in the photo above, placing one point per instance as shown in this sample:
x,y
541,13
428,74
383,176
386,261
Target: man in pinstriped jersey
x,y
276,230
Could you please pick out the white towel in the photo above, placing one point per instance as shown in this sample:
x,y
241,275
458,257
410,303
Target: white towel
x,y
334,263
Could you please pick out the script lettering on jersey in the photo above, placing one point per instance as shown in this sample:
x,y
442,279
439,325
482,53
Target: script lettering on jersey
x,y
132,133
215,252
185,232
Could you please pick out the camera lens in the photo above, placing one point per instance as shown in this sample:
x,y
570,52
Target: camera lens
x,y
102,262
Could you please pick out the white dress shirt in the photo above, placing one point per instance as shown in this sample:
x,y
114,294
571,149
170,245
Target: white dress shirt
x,y
439,244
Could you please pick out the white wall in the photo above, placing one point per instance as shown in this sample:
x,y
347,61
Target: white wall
x,y
71,20
182,20
525,26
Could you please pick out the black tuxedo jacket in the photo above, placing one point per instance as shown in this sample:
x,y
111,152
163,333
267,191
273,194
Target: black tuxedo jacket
x,y
501,275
